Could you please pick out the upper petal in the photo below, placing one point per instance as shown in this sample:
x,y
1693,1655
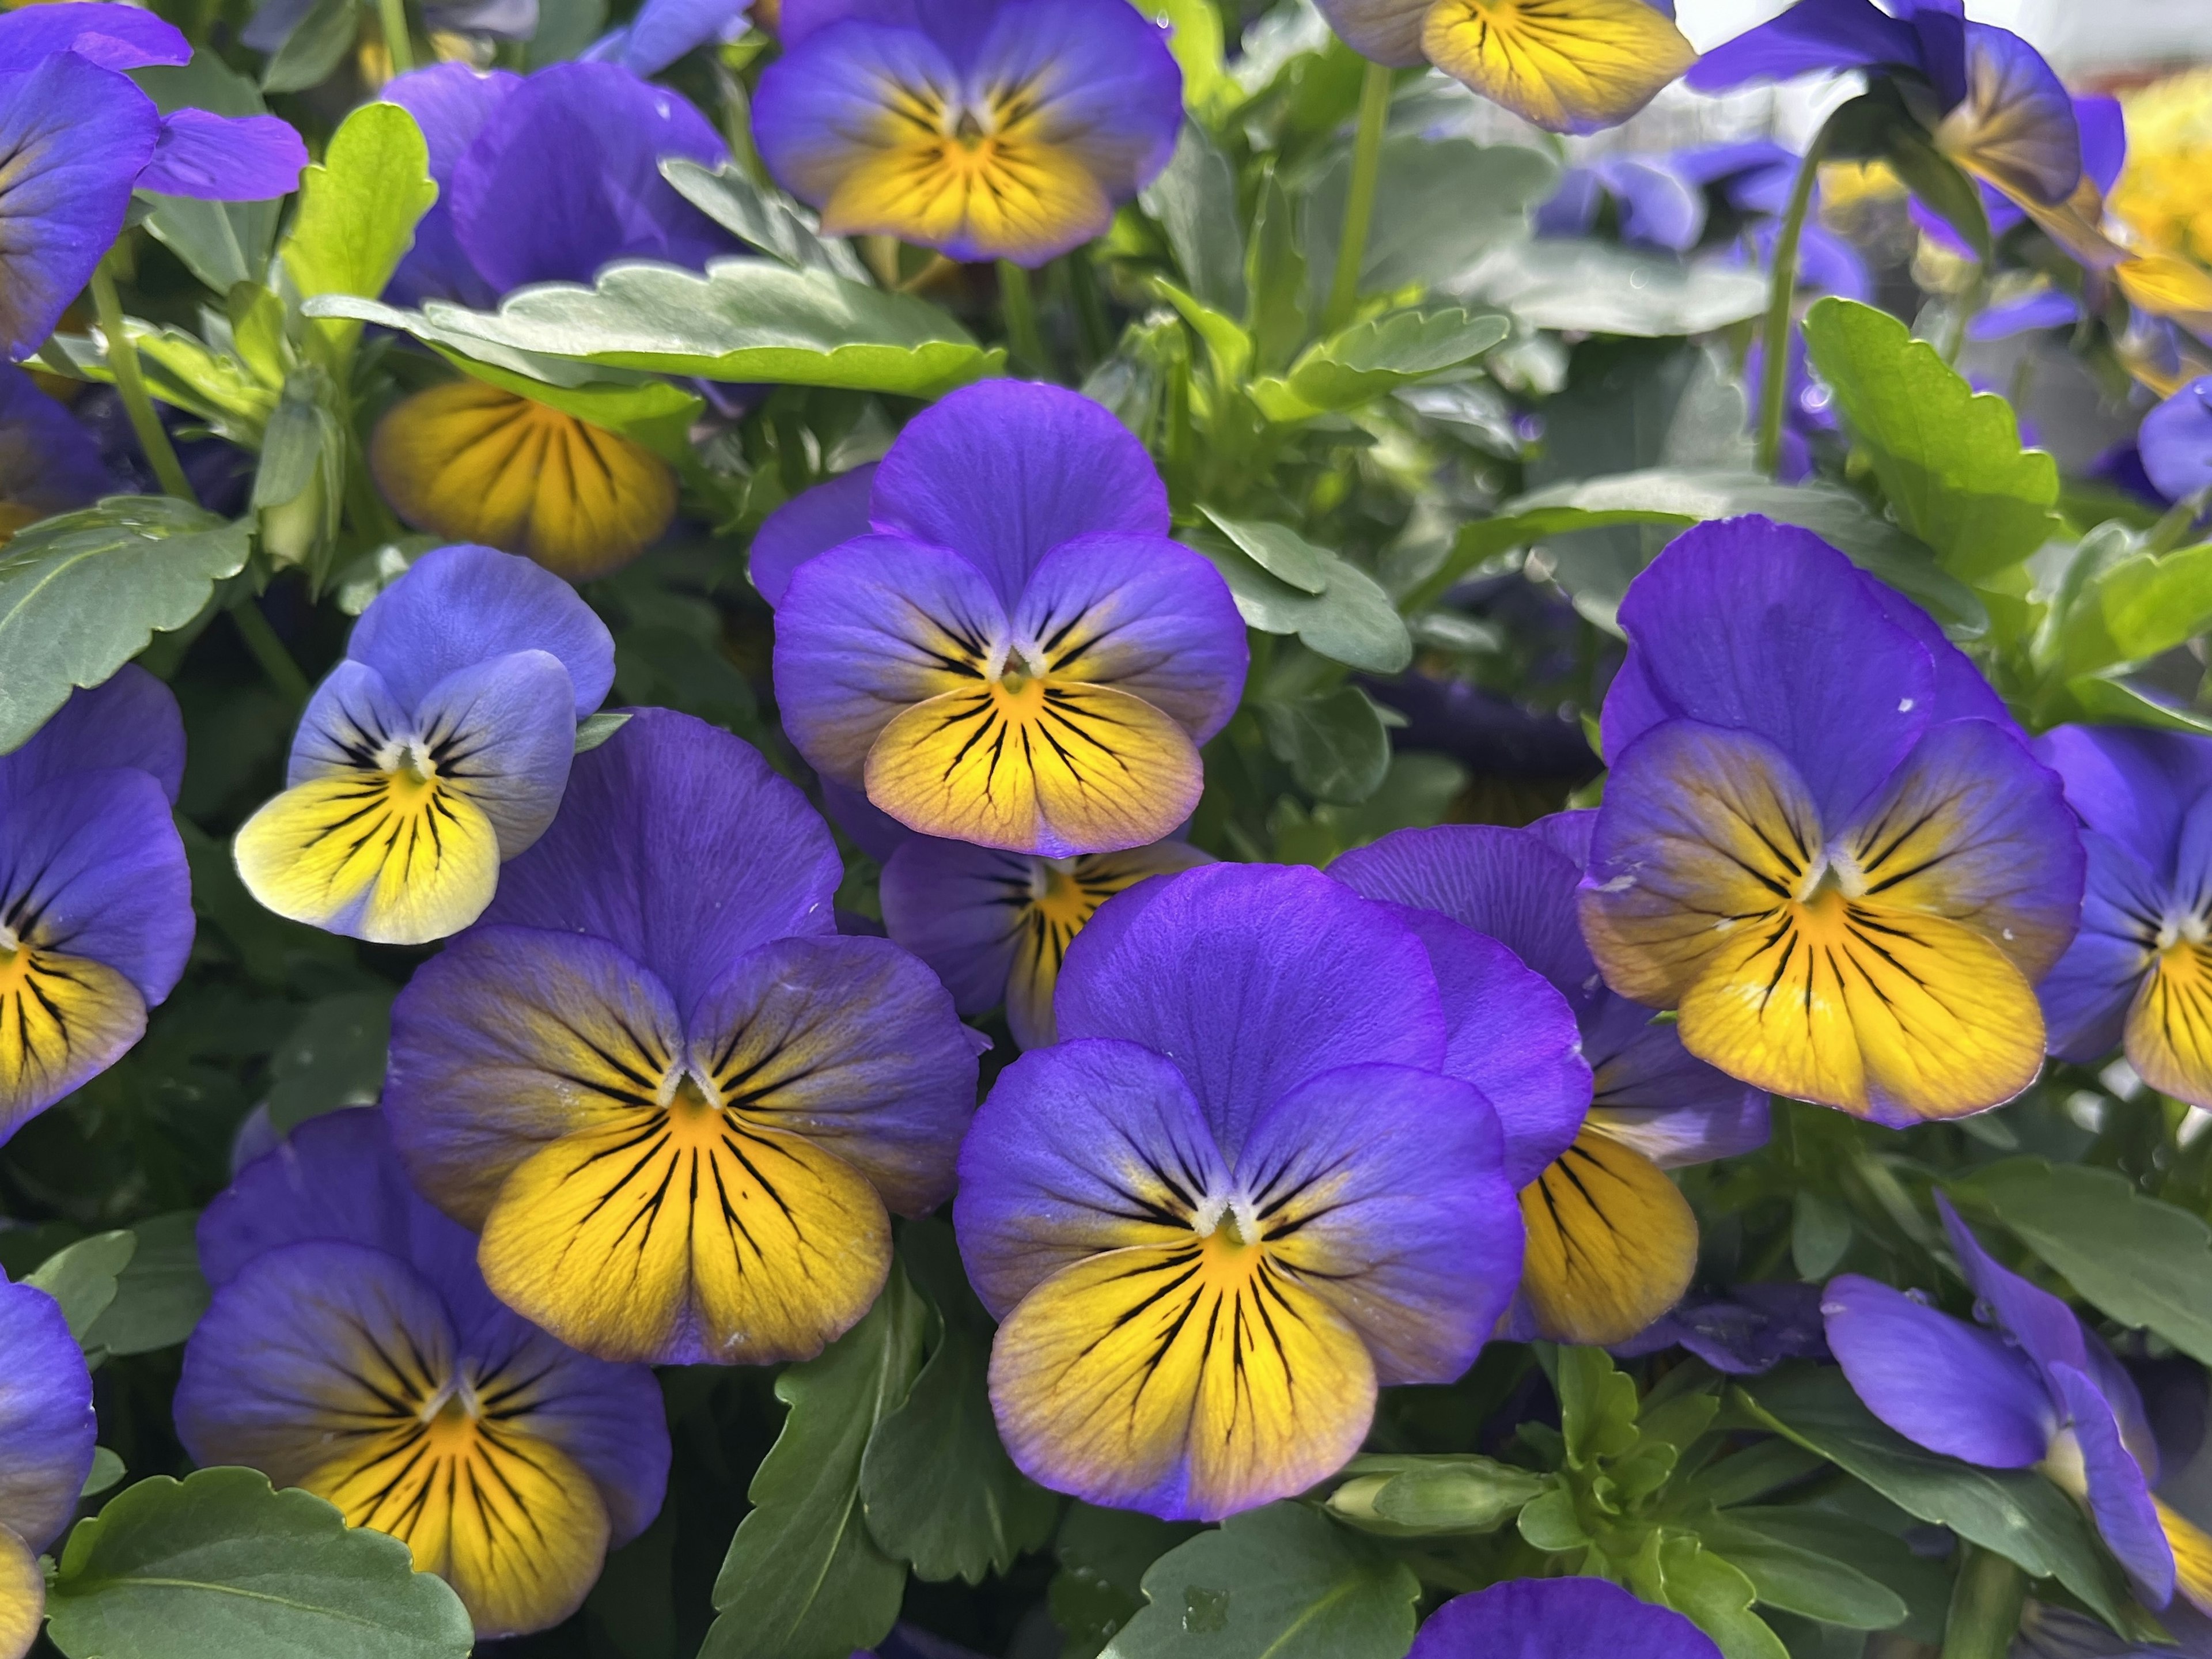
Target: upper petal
x,y
2133,785
1939,1383
220,158
91,866
132,720
1815,34
45,1417
1385,31
1558,1618
114,37
2086,996
2048,1331
449,102
813,521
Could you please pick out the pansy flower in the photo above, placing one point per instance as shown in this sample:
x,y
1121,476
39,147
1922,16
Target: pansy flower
x,y
49,463
434,751
679,1107
96,900
1612,1243
2104,153
1269,1167
543,179
1558,1618
77,136
46,1451
1566,65
2176,443
352,1349
1822,840
985,129
1016,655
2034,1387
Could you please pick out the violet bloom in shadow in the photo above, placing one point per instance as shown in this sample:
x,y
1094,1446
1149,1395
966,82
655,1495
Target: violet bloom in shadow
x,y
96,898
49,463
1266,1169
1557,1619
353,1349
2176,443
2037,1388
435,752
1612,1243
46,1451
680,1109
1014,654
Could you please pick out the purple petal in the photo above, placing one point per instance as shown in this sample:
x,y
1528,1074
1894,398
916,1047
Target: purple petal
x,y
1255,977
2176,440
1382,31
664,30
1651,1092
962,910
1961,693
1573,209
45,1416
131,720
2116,1491
115,37
2014,120
1659,208
1750,1329
2085,998
49,463
1101,74
219,158
91,866
1558,1618
460,606
2133,785
451,102
1812,35
508,729
2044,1328
2049,308
2103,126
813,521
1941,1383
873,830
1826,264
1002,472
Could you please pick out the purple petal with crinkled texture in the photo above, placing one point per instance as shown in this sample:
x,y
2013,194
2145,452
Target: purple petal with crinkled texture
x,y
95,857
130,720
220,158
115,37
1753,626
1003,472
679,843
451,102
1253,978
2176,440
2118,1495
1057,1159
49,463
813,521
1558,1618
1573,209
1940,1382
1814,34
2085,998
1747,1330
961,910
2046,1329
45,1416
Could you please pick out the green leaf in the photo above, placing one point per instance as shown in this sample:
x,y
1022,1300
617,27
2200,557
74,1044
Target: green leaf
x,y
1789,1568
1440,206
1714,1595
1352,623
1550,1522
2094,700
596,729
767,221
1228,346
2135,609
1948,457
1195,200
1411,1497
744,319
333,1058
1597,1405
1417,793
106,1471
936,1483
1274,280
1876,1557
646,411
161,1293
1335,745
1279,551
1103,1555
803,1579
314,48
1819,1232
83,1277
83,593
1195,38
219,1564
356,218
1279,1583
1588,287
1377,356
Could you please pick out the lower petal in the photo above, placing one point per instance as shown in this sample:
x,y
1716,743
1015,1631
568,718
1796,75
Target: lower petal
x,y
2192,1558
23,1596
45,1419
63,1020
2169,1023
1018,198
1567,65
1612,1243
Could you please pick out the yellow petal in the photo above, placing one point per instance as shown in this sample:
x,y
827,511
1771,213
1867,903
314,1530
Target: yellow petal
x,y
1045,766
1567,65
385,856
2192,1558
2169,1029
59,1015
1612,1243
1064,895
474,464
2167,286
23,1596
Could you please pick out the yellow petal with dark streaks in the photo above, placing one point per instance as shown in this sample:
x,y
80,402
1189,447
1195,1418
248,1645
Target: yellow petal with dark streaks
x,y
2193,1556
1008,194
475,464
2167,285
1612,1243
390,857
62,1017
2169,1028
23,1596
1065,894
1567,65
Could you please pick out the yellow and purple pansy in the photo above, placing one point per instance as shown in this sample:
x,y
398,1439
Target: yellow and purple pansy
x,y
1269,1167
1014,654
678,1107
352,1349
1823,841
96,897
1558,1618
46,1451
985,129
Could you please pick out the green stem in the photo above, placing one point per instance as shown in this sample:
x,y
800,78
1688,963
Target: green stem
x,y
1018,300
1092,327
2178,523
1359,197
1774,371
269,651
1964,310
397,41
130,383
1985,1604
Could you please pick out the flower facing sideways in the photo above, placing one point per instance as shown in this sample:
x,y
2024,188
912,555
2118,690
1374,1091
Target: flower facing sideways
x,y
678,1106
436,750
352,1349
46,1451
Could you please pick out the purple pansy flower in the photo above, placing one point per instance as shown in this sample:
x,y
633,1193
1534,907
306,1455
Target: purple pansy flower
x,y
49,463
2038,1390
435,752
96,901
1612,1243
352,1349
1558,1618
46,1451
1015,654
1269,1166
679,1107
77,136
1823,840
1741,1331
2103,131
2176,441
664,30
986,129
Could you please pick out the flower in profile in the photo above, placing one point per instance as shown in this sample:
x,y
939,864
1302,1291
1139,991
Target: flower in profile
x,y
1565,65
434,751
543,179
2038,1391
2139,974
1558,1618
46,1451
96,900
77,136
352,1349
678,1107
998,130
1268,1166
1612,1243
49,464
2176,443
2104,153
1016,655
1822,839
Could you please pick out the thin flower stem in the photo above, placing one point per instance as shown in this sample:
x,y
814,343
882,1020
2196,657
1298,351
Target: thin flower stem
x,y
1964,310
397,42
270,652
1359,197
1093,329
1985,1605
130,383
1018,300
1774,370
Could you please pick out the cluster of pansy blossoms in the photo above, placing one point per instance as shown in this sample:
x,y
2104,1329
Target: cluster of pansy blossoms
x,y
876,829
